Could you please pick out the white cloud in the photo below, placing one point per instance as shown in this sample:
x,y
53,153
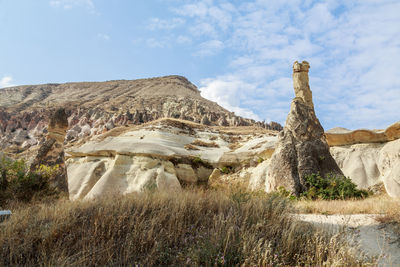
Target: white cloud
x,y
155,43
229,93
6,81
104,36
353,49
68,4
161,24
210,48
184,39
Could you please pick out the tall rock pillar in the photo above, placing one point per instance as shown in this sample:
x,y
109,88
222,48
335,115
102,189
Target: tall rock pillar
x,y
301,82
51,152
301,149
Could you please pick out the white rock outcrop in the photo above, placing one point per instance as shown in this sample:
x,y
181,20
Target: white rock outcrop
x,y
371,163
163,155
92,177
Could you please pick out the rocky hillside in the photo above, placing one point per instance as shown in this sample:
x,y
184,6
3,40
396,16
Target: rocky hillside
x,y
97,107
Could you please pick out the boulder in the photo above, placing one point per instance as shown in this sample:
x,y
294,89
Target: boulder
x,y
301,149
186,174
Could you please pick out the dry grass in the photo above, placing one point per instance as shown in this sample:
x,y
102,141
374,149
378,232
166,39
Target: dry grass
x,y
244,130
382,204
177,123
234,146
117,131
190,147
199,142
387,207
193,228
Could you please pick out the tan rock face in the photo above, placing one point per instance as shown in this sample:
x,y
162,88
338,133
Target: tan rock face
x,y
301,149
301,82
363,136
51,152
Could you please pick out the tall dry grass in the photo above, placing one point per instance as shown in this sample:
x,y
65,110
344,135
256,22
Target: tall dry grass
x,y
193,228
380,204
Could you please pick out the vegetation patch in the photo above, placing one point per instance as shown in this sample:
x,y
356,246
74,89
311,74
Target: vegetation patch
x,y
376,204
17,183
331,187
192,228
226,169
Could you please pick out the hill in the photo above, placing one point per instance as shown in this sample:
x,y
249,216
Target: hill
x,y
97,107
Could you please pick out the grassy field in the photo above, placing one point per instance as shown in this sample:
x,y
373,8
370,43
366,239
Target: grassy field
x,y
192,228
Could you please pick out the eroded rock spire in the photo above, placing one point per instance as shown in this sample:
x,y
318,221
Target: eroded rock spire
x,y
301,149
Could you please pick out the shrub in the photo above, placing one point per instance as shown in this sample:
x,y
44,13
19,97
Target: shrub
x,y
17,183
226,169
331,187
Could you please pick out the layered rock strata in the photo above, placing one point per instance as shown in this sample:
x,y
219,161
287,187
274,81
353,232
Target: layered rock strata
x,y
341,137
301,149
51,151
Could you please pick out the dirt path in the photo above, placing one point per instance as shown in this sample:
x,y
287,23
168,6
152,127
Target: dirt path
x,y
364,233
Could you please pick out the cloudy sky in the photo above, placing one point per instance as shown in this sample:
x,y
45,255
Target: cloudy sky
x,y
239,53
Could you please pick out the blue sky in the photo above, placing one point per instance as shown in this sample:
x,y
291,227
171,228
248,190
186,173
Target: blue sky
x,y
239,53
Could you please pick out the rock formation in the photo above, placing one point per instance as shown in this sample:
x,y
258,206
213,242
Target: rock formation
x,y
301,82
341,136
301,149
51,151
97,107
156,155
370,163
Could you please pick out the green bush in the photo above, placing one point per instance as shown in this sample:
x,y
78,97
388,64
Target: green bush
x,y
331,187
17,183
225,170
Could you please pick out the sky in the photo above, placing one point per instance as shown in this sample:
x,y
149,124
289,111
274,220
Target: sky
x,y
239,53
